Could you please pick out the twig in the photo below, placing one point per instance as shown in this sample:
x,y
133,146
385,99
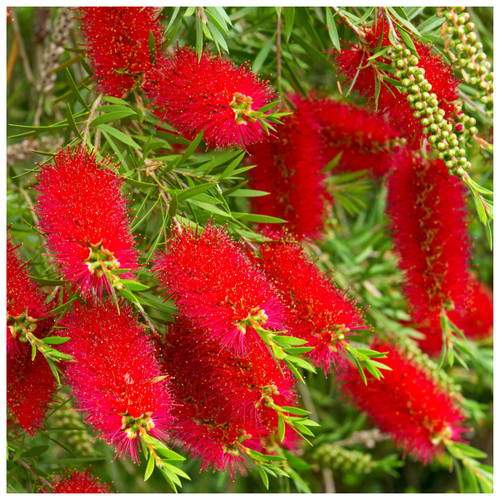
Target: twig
x,y
349,23
22,51
278,52
367,438
91,117
28,467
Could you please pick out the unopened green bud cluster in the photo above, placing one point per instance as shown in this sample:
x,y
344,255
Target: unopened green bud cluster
x,y
446,139
468,54
339,458
77,434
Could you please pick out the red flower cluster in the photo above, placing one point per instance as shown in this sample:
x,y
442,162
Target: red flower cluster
x,y
117,44
30,386
209,94
216,288
364,138
115,377
75,481
408,404
225,401
26,307
84,217
318,311
427,215
289,167
354,64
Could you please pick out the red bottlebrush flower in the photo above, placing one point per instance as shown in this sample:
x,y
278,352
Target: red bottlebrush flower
x,y
75,481
364,139
224,399
115,377
426,208
408,404
26,307
353,63
30,386
318,311
289,167
84,217
215,286
209,94
117,43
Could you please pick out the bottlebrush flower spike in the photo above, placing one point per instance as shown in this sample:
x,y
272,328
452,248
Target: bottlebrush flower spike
x,y
116,41
27,311
215,286
30,386
353,63
247,385
318,311
115,378
289,167
408,404
84,218
220,419
364,139
75,481
210,94
426,208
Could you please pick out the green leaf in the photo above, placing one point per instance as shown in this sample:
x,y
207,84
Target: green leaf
x,y
150,467
35,451
174,204
257,218
71,122
288,340
263,476
74,89
112,116
55,340
119,135
295,411
403,21
281,428
127,294
289,14
332,29
185,194
262,55
134,286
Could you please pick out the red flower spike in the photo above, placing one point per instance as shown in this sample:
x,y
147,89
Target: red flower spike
x,y
408,404
222,398
116,41
85,220
26,307
289,167
426,208
209,94
318,311
215,286
364,139
75,481
392,104
30,386
115,378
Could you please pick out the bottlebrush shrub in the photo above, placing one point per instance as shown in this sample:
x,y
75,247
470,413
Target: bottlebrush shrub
x,y
84,218
289,167
354,65
223,402
318,311
27,312
117,43
30,387
362,137
408,404
115,377
75,481
210,94
427,220
215,286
